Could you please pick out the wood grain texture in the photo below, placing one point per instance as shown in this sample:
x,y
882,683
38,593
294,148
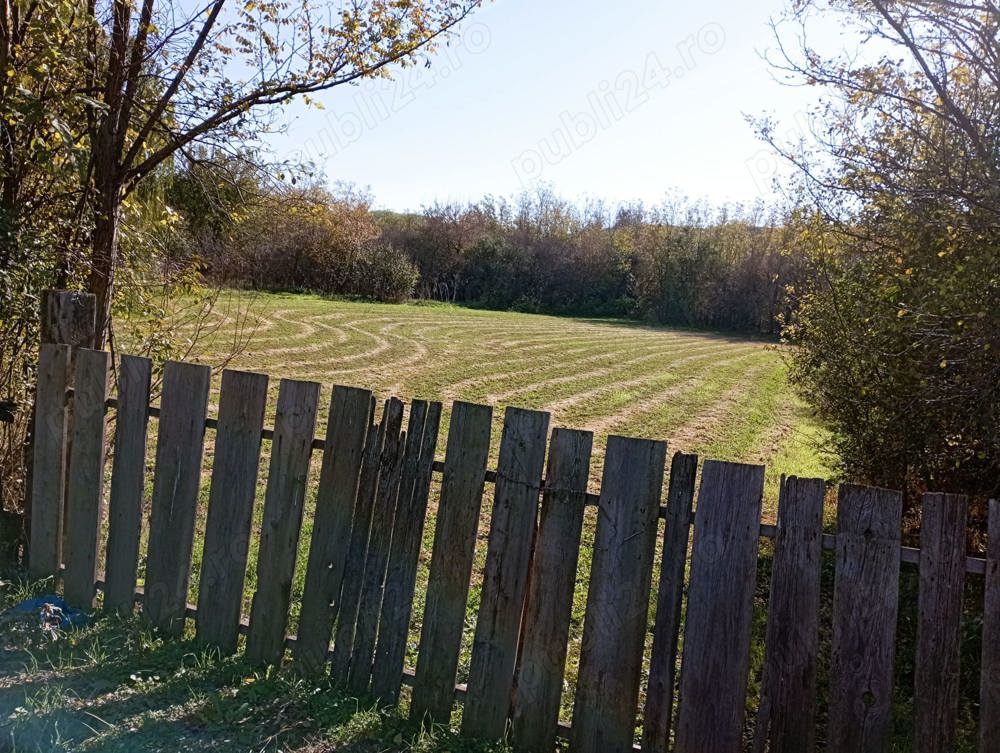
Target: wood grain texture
x,y
865,604
716,661
357,550
401,574
505,580
284,500
549,602
85,488
451,561
176,481
786,720
989,692
128,484
350,416
230,507
939,621
48,478
607,690
658,712
69,317
377,554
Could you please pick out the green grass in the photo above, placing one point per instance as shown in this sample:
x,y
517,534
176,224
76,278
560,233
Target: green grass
x,y
115,686
721,396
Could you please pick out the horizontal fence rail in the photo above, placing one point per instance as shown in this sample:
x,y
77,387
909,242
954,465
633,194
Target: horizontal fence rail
x,y
679,646
908,555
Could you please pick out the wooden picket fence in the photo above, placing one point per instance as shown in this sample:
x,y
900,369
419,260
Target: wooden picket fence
x,y
371,504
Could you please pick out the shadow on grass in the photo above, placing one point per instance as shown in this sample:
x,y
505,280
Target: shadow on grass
x,y
116,686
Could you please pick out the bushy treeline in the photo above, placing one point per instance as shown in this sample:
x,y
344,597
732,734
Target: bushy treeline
x,y
678,263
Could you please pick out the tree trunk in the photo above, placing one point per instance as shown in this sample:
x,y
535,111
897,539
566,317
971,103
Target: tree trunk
x,y
104,254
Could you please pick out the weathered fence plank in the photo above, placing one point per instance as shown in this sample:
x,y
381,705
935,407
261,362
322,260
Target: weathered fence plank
x,y
512,527
357,550
786,719
85,489
451,561
377,555
607,690
350,416
942,578
128,484
284,500
48,478
989,693
549,602
230,507
401,574
865,604
177,478
716,661
657,716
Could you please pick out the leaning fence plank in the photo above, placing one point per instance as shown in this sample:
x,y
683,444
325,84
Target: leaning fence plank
x,y
85,489
942,578
377,555
786,720
401,574
607,690
48,478
347,428
451,561
716,661
659,707
989,694
230,507
176,482
515,509
284,500
549,602
865,603
357,549
128,482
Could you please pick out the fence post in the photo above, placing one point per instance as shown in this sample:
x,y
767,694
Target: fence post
x,y
68,317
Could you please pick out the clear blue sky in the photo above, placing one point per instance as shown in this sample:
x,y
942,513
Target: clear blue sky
x,y
625,100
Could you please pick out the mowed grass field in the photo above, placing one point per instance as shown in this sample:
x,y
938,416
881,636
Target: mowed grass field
x,y
721,396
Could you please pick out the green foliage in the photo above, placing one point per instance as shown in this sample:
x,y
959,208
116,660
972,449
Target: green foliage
x,y
898,318
678,263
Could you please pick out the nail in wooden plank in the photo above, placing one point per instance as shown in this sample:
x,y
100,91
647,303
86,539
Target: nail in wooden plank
x,y
939,626
85,489
230,507
716,660
607,690
451,561
786,720
401,574
865,605
549,603
989,693
284,500
128,484
48,478
512,527
176,482
658,712
346,431
377,554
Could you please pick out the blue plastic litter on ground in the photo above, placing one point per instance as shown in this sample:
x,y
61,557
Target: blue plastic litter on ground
x,y
52,611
